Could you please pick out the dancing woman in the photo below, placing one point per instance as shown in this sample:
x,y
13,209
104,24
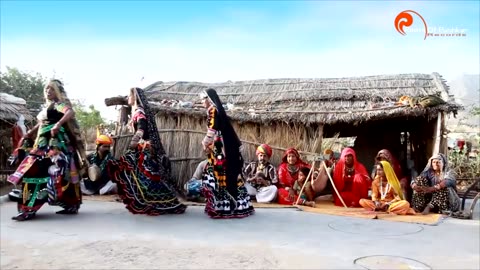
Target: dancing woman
x,y
143,174
223,186
50,173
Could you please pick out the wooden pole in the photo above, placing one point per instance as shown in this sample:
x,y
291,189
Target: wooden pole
x,y
334,187
306,181
437,135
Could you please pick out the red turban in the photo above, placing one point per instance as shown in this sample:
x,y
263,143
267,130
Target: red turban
x,y
264,149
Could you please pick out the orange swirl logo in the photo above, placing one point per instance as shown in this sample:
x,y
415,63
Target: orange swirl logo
x,y
405,19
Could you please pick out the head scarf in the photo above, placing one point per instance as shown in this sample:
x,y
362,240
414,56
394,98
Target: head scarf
x,y
446,171
294,151
340,166
57,86
231,143
392,178
390,158
141,101
264,149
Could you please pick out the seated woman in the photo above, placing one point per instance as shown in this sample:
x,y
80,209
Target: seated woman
x,y
387,193
306,196
386,155
288,174
435,188
351,179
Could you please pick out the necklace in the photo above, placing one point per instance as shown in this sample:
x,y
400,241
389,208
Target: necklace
x,y
383,192
349,171
292,168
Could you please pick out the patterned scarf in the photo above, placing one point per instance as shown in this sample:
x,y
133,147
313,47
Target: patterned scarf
x,y
155,142
231,144
429,173
151,125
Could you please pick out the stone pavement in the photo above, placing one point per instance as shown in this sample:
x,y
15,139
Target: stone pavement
x,y
106,236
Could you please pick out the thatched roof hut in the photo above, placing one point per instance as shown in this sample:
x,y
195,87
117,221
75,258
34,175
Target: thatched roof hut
x,y
300,112
11,109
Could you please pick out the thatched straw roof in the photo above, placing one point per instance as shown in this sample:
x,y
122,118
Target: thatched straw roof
x,y
327,101
12,107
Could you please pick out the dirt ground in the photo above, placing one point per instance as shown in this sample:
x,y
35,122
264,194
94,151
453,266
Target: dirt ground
x,y
5,188
147,254
106,236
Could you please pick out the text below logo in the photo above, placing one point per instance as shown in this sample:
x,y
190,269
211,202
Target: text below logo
x,y
405,19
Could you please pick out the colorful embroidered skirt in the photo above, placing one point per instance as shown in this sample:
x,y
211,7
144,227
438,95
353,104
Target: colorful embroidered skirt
x,y
39,186
220,204
49,174
142,186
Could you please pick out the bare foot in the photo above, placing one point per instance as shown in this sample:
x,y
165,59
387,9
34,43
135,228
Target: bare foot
x,y
311,204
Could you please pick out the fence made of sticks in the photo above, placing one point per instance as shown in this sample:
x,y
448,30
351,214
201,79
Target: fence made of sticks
x,y
182,140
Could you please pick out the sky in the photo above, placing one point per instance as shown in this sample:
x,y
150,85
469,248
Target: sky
x,y
102,48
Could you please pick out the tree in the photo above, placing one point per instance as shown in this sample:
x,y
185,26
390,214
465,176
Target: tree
x,y
88,118
476,109
24,85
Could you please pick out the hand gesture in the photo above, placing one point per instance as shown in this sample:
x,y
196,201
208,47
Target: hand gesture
x,y
377,206
417,188
385,207
55,129
291,194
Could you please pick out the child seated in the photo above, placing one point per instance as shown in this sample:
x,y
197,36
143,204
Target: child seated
x,y
306,198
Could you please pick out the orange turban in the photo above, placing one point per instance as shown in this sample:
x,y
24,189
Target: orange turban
x,y
264,149
328,152
103,139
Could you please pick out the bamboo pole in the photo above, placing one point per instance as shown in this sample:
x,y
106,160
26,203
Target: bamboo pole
x,y
306,181
333,185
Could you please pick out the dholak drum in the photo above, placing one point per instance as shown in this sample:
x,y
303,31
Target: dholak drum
x,y
94,172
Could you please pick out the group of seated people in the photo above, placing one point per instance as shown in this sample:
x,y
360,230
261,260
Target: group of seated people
x,y
295,182
385,189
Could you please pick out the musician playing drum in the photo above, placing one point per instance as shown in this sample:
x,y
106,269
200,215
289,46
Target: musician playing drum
x,y
98,181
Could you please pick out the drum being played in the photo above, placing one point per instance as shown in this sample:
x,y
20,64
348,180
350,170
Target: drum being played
x,y
94,172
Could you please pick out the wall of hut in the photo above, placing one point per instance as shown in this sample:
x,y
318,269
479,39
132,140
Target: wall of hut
x,y
182,135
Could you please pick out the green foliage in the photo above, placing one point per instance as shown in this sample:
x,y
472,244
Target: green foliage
x,y
88,117
464,166
476,110
24,85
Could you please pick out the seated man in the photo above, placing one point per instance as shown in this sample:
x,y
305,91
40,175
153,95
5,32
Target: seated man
x,y
261,176
194,185
98,181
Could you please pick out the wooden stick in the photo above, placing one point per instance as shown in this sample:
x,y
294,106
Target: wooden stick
x,y
306,181
333,185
